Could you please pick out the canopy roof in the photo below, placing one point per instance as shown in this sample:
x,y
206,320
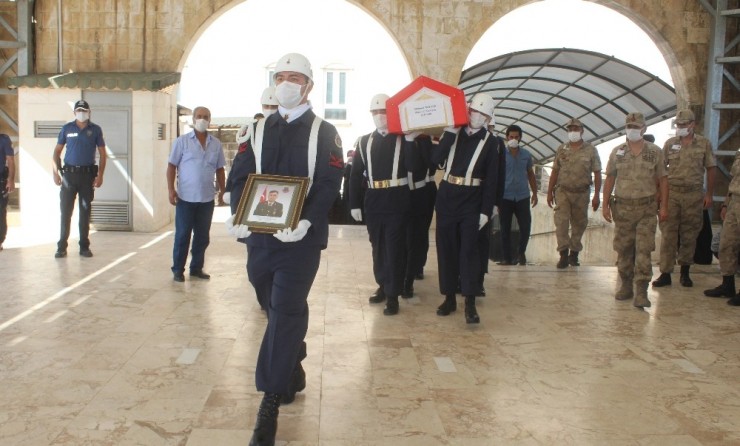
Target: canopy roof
x,y
540,90
98,81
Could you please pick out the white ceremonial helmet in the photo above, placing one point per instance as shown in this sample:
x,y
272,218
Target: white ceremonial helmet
x,y
378,102
482,103
294,62
268,97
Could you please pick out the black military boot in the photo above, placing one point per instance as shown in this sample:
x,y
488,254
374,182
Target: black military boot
x,y
663,280
297,384
685,280
448,306
378,296
266,426
391,306
408,288
573,259
727,289
563,262
471,314
735,301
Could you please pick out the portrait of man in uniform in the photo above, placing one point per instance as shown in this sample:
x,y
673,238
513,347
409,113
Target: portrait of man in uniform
x,y
271,207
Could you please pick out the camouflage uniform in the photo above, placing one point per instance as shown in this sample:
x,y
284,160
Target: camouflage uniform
x,y
729,242
634,208
572,193
685,167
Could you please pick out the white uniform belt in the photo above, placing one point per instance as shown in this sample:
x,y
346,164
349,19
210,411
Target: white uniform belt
x,y
384,184
460,181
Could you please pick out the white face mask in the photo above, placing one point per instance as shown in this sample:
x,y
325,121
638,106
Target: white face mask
x,y
268,111
634,134
682,131
477,120
381,121
574,136
288,94
82,116
201,125
512,143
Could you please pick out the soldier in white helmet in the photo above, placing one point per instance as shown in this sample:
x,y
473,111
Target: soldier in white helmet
x,y
465,200
282,266
385,160
269,106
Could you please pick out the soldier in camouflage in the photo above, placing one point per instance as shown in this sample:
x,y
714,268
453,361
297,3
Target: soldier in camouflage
x,y
569,190
686,156
633,171
729,243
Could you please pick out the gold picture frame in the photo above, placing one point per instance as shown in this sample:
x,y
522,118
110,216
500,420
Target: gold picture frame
x,y
270,203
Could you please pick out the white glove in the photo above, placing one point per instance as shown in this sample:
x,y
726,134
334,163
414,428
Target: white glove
x,y
482,222
356,214
412,136
227,197
454,130
293,235
238,231
243,134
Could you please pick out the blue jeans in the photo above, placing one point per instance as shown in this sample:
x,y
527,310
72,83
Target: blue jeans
x,y
195,219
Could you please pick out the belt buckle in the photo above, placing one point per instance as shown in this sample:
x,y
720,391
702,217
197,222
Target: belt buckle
x,y
455,180
381,184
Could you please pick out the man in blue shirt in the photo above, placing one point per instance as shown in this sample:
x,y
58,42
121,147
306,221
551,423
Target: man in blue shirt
x,y
79,175
195,159
7,182
519,180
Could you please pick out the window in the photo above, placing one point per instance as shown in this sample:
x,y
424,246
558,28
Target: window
x,y
335,103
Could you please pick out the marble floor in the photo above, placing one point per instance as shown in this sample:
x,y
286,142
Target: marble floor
x,y
111,351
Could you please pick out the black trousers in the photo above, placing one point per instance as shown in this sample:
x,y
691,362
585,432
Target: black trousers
x,y
3,217
457,253
76,184
417,233
282,279
521,210
388,239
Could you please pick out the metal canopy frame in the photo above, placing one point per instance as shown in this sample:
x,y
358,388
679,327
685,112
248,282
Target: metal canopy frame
x,y
541,89
19,62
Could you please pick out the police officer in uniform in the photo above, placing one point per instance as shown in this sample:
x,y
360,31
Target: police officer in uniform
x,y
729,242
687,156
569,189
423,194
282,266
79,175
386,159
465,201
633,170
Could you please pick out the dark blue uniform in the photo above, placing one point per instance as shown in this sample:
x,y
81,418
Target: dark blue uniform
x,y
386,205
78,176
459,207
484,236
423,195
6,150
282,273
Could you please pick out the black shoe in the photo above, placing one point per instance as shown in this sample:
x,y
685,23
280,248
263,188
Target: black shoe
x,y
663,280
391,307
448,306
505,262
727,289
471,313
563,262
481,292
61,253
86,253
735,301
685,280
200,274
178,277
573,259
408,289
297,384
522,259
419,276
377,297
266,427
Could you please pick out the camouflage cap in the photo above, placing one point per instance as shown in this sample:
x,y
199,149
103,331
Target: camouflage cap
x,y
573,122
684,116
635,118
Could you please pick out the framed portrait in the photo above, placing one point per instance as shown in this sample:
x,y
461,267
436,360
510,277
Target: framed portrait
x,y
270,203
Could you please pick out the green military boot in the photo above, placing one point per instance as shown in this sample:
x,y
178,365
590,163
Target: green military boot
x,y
563,262
625,289
641,299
